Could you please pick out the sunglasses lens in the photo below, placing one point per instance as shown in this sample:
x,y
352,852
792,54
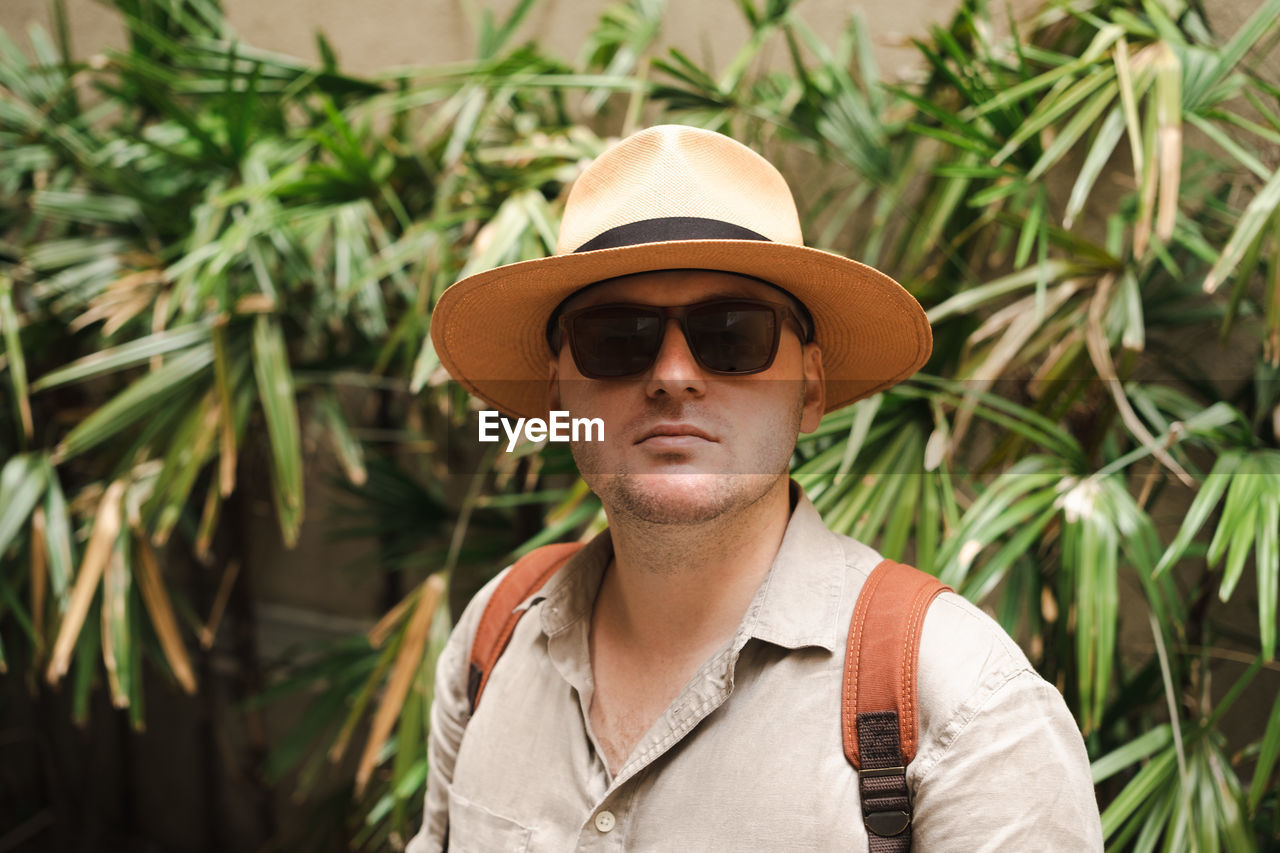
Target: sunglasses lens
x,y
615,341
733,337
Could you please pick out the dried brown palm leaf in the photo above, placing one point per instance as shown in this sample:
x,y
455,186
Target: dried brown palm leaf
x,y
406,667
160,608
39,577
226,412
1168,95
121,301
1095,338
106,528
383,627
209,632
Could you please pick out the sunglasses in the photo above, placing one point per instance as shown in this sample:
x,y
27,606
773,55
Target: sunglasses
x,y
730,337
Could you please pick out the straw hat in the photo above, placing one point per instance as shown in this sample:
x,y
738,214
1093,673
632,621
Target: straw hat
x,y
674,197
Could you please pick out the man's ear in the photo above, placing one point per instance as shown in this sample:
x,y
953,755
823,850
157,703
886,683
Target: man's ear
x,y
815,388
553,385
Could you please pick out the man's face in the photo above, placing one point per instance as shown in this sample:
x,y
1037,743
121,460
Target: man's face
x,y
683,445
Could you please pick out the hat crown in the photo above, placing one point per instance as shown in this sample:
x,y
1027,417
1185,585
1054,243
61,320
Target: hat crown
x,y
677,171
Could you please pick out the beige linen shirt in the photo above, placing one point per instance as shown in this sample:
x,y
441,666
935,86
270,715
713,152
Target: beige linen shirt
x,y
748,757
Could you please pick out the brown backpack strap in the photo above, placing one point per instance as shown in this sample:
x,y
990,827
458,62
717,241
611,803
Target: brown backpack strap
x,y
878,716
500,616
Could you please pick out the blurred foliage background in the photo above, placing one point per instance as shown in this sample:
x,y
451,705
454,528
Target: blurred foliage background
x,y
217,269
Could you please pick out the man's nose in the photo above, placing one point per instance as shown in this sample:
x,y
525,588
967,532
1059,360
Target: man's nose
x,y
675,372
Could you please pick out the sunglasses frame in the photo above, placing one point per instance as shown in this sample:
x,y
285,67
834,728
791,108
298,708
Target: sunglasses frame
x,y
563,331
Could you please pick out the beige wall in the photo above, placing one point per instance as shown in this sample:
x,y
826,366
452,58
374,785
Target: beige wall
x,y
375,34
370,35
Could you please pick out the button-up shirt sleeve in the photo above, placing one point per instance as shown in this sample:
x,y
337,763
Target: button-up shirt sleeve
x,y
1002,765
450,712
1015,777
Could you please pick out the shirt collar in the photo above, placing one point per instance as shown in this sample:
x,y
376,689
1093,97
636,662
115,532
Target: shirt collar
x,y
797,604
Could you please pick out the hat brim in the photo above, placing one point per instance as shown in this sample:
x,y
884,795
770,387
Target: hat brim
x,y
489,329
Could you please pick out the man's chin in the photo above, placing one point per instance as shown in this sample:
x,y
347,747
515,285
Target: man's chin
x,y
681,494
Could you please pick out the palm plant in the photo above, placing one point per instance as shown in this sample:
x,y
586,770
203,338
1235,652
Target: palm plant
x,y
203,276
217,267
1058,405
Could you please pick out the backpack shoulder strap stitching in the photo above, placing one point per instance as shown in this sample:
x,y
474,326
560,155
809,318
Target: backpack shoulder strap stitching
x,y
499,619
878,709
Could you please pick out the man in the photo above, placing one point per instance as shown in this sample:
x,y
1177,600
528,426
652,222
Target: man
x,y
676,685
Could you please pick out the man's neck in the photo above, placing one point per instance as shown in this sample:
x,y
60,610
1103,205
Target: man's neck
x,y
675,590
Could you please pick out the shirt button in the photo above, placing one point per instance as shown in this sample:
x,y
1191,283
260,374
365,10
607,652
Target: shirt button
x,y
605,821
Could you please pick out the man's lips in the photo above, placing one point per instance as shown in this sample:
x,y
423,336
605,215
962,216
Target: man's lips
x,y
673,435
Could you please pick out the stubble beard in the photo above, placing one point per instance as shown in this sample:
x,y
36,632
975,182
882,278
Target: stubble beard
x,y
690,498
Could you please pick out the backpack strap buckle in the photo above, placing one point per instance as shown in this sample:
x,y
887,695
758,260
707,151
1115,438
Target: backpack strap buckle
x,y
882,783
886,801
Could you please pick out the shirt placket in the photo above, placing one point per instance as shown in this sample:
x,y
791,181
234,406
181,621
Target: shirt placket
x,y
567,649
612,820
606,824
